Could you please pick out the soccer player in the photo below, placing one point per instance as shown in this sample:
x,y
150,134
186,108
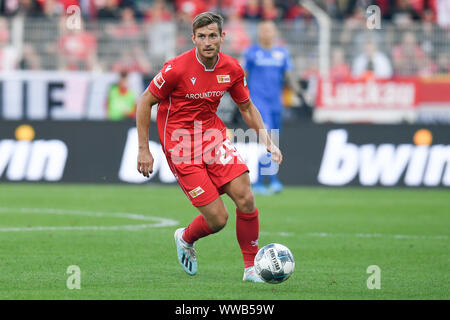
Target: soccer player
x,y
267,65
188,89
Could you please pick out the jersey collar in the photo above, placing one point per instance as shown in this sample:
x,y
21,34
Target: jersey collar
x,y
213,68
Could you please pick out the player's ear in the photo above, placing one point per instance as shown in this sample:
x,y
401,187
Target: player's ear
x,y
193,38
222,36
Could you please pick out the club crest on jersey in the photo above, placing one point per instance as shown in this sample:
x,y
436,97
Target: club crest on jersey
x,y
193,79
223,78
196,192
158,80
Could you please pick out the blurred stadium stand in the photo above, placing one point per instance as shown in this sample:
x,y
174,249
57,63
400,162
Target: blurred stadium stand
x,y
54,66
138,36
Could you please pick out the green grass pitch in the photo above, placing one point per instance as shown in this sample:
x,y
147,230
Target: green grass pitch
x,y
334,235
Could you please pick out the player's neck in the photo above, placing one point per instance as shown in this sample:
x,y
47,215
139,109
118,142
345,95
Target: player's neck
x,y
208,63
266,45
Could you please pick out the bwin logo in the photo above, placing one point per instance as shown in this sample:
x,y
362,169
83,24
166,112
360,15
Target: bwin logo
x,y
385,164
24,159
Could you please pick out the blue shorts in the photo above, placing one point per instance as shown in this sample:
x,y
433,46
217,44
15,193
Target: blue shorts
x,y
272,120
271,113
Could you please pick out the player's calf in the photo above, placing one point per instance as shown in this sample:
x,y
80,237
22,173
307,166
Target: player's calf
x,y
215,215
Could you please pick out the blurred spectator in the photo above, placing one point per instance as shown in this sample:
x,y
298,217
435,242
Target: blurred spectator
x,y
385,7
127,29
269,11
443,64
161,33
372,63
166,21
404,14
443,13
428,67
132,60
51,9
237,37
121,100
428,33
226,7
252,10
157,12
67,3
337,9
188,9
9,7
292,10
77,48
339,69
107,9
8,54
351,27
30,59
349,7
408,56
29,8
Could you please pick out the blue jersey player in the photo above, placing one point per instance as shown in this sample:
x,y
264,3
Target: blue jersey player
x,y
267,66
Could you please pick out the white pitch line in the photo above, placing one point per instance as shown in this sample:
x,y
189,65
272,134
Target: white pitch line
x,y
281,234
377,235
159,222
357,235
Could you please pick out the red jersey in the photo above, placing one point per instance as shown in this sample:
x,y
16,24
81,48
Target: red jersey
x,y
189,92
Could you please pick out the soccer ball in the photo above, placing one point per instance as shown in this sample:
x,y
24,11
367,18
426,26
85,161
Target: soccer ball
x,y
274,263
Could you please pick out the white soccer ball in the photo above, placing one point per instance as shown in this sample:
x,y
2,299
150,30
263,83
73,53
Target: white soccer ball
x,y
274,263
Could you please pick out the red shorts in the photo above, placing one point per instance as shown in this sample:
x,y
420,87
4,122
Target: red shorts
x,y
202,182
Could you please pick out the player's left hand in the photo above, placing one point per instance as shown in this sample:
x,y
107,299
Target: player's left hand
x,y
276,153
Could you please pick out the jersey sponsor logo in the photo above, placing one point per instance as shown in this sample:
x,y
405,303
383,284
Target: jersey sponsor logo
x,y
278,55
193,79
223,78
196,192
203,95
169,67
158,80
276,58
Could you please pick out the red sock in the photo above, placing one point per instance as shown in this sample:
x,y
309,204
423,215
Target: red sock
x,y
197,229
247,232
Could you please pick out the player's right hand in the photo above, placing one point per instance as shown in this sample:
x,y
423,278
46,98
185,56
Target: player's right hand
x,y
145,162
277,156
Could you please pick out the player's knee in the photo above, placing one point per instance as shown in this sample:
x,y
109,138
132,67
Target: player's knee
x,y
223,221
219,221
246,202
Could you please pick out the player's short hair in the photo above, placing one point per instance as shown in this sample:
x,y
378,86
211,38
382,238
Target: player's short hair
x,y
206,18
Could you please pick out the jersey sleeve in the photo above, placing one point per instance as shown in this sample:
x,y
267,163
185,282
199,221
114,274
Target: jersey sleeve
x,y
239,90
164,82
